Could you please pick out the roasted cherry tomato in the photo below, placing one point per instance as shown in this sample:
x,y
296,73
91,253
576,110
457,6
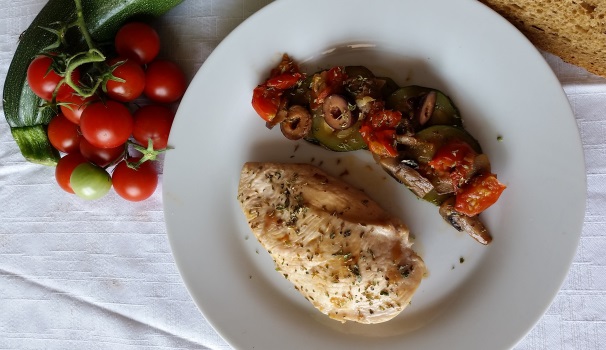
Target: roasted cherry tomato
x,y
327,83
106,124
286,65
378,131
133,84
380,142
385,119
478,194
283,81
267,96
153,122
266,102
65,167
137,41
164,82
63,134
455,160
135,185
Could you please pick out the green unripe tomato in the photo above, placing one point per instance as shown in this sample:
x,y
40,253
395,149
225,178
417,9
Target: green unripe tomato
x,y
90,181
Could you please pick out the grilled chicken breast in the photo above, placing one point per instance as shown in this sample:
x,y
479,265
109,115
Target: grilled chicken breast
x,y
350,258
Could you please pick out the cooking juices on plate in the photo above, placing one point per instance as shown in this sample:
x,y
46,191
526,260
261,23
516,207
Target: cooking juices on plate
x,y
414,132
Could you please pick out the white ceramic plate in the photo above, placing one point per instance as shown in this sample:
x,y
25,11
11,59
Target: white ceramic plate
x,y
475,297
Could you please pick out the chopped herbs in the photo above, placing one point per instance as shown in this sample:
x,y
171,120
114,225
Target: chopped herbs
x,y
329,257
405,270
355,270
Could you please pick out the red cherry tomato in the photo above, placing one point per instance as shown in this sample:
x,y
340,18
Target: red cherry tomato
x,y
267,97
380,142
100,156
478,194
454,160
137,41
164,82
266,102
286,65
106,124
43,80
378,131
63,134
385,118
284,81
134,81
73,105
327,83
153,122
65,168
135,185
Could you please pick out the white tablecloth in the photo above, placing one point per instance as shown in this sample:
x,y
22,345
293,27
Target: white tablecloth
x,y
100,275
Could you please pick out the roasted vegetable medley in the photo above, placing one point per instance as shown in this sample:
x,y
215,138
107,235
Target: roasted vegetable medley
x,y
414,132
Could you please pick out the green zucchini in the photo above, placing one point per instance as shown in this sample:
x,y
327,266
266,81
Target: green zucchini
x,y
21,107
434,137
335,140
445,113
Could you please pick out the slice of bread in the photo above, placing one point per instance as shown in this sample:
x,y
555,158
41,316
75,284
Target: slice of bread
x,y
574,30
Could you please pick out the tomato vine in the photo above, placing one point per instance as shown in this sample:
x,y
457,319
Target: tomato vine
x,y
94,92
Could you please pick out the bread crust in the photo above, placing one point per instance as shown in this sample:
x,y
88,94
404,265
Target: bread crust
x,y
574,30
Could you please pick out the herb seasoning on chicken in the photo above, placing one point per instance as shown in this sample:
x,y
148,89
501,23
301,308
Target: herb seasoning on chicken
x,y
350,258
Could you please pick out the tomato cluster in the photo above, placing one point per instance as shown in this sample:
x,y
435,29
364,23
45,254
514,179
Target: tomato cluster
x,y
96,133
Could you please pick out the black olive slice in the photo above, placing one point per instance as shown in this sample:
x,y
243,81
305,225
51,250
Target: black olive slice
x,y
297,123
427,106
337,113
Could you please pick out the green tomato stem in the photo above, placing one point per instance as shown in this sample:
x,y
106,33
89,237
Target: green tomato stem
x,y
119,159
82,25
91,56
149,153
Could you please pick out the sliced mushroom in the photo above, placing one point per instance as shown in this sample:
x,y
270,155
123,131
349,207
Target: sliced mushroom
x,y
470,224
405,127
297,123
281,114
401,171
410,162
406,140
481,164
427,106
337,113
443,184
